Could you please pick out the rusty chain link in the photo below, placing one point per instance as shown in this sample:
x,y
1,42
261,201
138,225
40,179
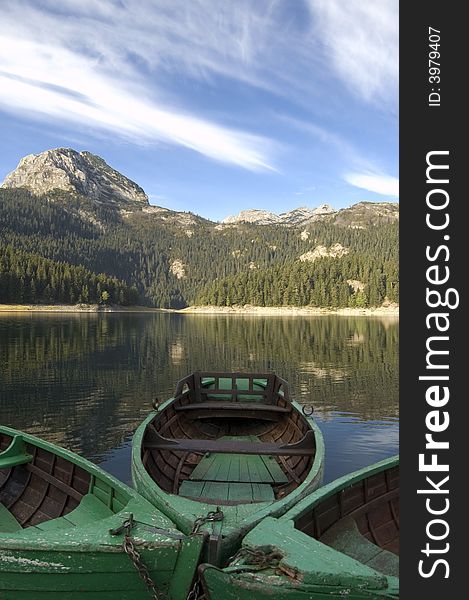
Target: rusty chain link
x,y
134,555
214,515
195,592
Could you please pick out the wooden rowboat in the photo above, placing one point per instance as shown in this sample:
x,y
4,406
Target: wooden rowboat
x,y
64,524
342,541
228,450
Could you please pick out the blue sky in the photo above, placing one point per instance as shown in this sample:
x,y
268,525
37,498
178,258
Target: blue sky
x,y
212,106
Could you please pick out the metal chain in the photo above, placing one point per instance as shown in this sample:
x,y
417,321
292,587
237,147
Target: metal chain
x,y
195,593
134,555
216,515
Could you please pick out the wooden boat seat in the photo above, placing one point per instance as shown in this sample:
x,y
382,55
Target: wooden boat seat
x,y
305,447
213,405
15,454
89,510
346,537
244,410
8,523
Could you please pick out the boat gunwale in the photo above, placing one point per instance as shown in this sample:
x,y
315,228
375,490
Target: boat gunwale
x,y
336,485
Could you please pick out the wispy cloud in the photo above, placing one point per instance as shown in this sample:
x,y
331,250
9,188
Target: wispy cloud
x,y
83,71
115,66
374,182
361,39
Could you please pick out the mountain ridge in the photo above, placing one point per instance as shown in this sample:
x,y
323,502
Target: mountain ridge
x,y
89,175
163,258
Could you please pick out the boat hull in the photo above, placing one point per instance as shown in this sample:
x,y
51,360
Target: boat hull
x,y
219,584
78,552
238,518
100,572
282,558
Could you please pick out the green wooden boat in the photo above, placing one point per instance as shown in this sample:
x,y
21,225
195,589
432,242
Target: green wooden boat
x,y
342,541
228,450
63,524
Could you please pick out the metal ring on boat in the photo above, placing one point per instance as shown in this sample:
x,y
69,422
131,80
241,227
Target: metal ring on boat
x,y
307,409
155,403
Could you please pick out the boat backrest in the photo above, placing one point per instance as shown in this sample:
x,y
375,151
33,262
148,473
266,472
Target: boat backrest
x,y
263,388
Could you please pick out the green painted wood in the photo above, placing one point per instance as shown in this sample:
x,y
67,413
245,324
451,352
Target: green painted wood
x,y
223,585
222,472
345,537
241,384
191,489
278,476
258,472
234,473
330,567
200,471
15,454
238,519
238,467
240,492
262,492
8,523
234,491
52,525
218,469
76,557
353,568
244,473
186,566
215,490
90,509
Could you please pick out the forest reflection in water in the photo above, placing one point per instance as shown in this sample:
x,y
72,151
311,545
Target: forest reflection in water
x,y
85,381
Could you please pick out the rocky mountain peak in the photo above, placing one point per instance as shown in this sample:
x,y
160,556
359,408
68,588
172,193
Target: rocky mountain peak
x,y
293,218
71,171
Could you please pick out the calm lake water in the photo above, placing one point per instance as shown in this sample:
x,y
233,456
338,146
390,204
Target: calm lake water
x,y
86,381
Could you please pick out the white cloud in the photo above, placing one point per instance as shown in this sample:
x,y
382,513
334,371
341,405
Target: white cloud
x,y
115,66
59,71
373,182
361,40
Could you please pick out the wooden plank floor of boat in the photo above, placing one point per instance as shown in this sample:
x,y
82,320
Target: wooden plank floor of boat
x,y
234,478
89,510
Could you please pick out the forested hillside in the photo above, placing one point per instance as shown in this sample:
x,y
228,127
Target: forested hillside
x,y
64,247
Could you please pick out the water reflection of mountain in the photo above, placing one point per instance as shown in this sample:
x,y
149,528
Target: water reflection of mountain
x,y
86,381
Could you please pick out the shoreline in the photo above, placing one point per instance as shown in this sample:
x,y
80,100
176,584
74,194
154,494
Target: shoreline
x,y
382,311
391,311
73,308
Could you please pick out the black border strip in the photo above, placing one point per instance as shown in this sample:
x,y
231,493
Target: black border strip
x,y
425,128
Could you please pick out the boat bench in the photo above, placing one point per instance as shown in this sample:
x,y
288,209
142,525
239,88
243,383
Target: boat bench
x,y
244,410
90,509
305,447
346,537
234,478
